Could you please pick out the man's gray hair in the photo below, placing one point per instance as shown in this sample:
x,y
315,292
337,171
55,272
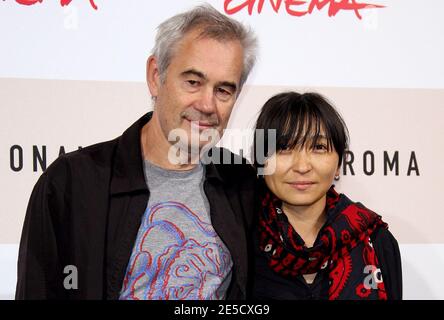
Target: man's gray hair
x,y
214,25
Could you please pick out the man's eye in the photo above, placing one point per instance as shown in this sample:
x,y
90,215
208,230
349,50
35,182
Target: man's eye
x,y
223,93
193,83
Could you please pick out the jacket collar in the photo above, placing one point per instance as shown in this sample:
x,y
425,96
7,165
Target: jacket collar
x,y
127,171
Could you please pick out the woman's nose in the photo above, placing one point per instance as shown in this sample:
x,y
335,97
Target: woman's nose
x,y
301,161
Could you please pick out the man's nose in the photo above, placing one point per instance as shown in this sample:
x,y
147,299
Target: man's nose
x,y
206,102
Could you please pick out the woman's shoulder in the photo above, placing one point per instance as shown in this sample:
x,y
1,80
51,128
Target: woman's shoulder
x,y
387,250
382,237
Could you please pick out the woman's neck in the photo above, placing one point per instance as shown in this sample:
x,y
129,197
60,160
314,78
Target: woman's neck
x,y
307,220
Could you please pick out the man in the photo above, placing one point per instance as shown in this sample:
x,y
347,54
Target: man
x,y
141,216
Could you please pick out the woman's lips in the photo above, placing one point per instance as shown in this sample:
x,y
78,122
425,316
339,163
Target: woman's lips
x,y
301,185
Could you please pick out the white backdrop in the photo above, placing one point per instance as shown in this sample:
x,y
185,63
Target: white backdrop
x,y
71,76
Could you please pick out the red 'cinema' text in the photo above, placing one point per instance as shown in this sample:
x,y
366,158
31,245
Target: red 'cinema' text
x,y
62,2
299,8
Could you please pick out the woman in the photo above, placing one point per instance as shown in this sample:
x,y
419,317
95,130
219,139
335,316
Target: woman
x,y
311,242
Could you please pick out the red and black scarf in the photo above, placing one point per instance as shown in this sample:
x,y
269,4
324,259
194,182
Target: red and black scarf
x,y
343,246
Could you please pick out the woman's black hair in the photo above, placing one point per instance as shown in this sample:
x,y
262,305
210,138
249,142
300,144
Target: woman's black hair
x,y
299,119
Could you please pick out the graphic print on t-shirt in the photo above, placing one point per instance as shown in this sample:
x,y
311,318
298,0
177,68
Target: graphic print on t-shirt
x,y
177,255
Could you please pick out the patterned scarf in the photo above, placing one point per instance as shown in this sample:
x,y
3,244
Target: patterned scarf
x,y
343,246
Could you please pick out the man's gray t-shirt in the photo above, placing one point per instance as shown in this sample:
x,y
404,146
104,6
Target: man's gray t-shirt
x,y
177,253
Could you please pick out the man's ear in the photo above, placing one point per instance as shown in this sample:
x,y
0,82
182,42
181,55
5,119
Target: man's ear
x,y
152,75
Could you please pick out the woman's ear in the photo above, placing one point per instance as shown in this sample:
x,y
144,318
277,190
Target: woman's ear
x,y
152,75
337,177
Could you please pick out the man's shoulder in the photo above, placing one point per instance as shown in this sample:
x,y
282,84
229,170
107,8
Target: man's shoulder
x,y
83,161
232,166
98,153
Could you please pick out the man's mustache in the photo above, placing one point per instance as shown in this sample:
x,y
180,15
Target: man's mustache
x,y
192,114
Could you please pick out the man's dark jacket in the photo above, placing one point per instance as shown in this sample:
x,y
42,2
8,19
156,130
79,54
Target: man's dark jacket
x,y
86,209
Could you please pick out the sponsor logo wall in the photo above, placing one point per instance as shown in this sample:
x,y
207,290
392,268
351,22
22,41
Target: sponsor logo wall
x,y
72,74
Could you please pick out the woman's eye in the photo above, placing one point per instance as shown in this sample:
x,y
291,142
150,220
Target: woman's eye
x,y
285,150
320,147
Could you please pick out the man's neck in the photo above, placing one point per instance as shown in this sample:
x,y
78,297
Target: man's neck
x,y
307,220
155,148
